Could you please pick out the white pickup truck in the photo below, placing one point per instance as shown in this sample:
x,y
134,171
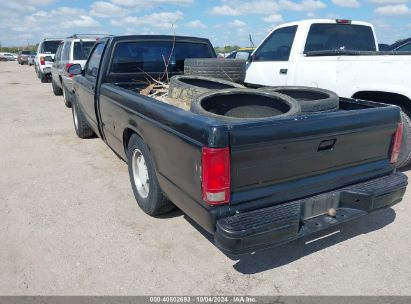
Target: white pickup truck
x,y
338,55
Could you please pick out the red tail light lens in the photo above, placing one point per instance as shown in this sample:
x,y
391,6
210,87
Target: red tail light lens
x,y
396,143
42,61
68,65
216,175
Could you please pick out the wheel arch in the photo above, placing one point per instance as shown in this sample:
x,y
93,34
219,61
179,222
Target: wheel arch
x,y
385,97
127,133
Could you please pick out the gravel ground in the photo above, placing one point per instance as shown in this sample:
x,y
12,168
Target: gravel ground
x,y
69,224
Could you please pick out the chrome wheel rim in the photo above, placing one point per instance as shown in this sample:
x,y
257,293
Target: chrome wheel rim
x,y
75,117
140,173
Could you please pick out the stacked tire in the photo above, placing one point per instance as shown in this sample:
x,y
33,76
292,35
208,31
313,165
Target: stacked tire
x,y
186,87
229,101
228,69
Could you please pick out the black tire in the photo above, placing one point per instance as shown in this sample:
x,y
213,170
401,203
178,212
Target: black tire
x,y
56,89
185,88
81,125
150,197
404,158
43,77
67,96
310,99
228,69
237,105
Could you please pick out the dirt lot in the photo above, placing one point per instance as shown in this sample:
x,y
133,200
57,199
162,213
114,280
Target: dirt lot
x,y
69,224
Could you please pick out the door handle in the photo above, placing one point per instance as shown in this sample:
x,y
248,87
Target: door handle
x,y
283,71
326,145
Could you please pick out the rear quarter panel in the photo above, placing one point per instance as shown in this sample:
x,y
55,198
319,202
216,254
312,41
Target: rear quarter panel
x,y
347,75
175,138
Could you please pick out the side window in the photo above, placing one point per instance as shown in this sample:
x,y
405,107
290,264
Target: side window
x,y
277,47
58,53
405,48
65,54
94,60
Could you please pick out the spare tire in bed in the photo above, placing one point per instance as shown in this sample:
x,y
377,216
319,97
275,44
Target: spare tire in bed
x,y
228,69
237,105
310,99
185,88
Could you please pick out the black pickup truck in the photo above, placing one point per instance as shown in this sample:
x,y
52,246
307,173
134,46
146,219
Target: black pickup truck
x,y
252,184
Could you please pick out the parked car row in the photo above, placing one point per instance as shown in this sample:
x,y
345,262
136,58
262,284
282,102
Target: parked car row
x,y
254,166
26,57
8,57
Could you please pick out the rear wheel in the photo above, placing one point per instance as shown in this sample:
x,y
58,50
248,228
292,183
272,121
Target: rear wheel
x,y
81,126
43,77
143,178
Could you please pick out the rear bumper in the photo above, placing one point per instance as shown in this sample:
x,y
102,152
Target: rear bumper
x,y
250,231
45,69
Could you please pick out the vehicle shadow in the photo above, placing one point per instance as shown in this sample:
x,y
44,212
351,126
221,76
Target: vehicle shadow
x,y
272,258
405,169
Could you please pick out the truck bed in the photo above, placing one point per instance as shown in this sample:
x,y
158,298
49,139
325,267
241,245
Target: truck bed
x,y
278,160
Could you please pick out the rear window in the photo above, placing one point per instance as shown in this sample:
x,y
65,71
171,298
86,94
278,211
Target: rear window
x,y
149,56
326,37
25,52
82,49
50,46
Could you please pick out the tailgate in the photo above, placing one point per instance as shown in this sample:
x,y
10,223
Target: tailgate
x,y
291,158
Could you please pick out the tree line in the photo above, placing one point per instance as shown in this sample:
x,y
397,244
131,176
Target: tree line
x,y
16,49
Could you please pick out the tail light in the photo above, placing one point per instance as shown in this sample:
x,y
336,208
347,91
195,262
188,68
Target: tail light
x,y
216,175
396,143
42,61
68,65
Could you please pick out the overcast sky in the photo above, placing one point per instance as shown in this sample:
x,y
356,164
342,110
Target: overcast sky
x,y
222,21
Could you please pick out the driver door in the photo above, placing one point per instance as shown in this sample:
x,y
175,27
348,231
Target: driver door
x,y
270,62
87,85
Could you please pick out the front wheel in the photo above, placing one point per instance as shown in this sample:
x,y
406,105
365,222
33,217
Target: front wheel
x,y
56,89
66,97
81,126
143,178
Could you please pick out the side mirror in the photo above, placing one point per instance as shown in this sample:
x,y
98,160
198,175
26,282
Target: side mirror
x,y
75,69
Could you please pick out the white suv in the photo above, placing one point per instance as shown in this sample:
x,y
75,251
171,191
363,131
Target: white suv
x,y
74,49
44,58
